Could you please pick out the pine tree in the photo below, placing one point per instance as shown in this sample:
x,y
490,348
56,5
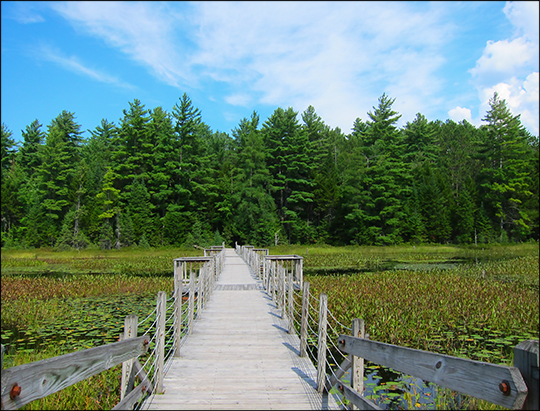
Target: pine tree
x,y
377,202
161,177
288,161
8,149
108,203
254,219
138,203
33,138
196,187
132,153
54,173
505,173
70,133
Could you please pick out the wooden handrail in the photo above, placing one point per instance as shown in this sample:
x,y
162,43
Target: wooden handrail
x,y
499,384
29,382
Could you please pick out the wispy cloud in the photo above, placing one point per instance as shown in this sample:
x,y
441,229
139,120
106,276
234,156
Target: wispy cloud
x,y
73,64
141,30
335,57
25,12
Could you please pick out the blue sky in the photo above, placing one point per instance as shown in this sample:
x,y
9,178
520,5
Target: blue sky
x,y
441,59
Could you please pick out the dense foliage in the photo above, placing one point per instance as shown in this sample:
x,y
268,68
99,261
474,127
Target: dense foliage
x,y
159,178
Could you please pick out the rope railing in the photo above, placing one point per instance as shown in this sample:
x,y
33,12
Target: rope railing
x,y
171,323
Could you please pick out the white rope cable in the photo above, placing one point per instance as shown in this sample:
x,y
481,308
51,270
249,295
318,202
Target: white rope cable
x,y
334,358
144,365
336,320
150,327
337,349
171,316
171,305
329,326
143,321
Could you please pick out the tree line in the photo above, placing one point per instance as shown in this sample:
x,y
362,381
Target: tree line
x,y
159,179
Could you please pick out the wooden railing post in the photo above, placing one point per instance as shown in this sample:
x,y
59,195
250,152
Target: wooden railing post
x,y
526,358
304,324
300,272
291,303
128,379
161,308
177,313
191,300
321,360
283,291
199,290
357,363
202,286
264,273
272,280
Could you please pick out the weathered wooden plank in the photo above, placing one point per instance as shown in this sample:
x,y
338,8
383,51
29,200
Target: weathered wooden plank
x,y
304,321
194,259
45,377
161,308
526,359
357,364
358,400
130,331
135,395
321,356
479,379
283,257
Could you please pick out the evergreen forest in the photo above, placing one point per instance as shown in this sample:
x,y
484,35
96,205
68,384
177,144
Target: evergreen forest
x,y
161,178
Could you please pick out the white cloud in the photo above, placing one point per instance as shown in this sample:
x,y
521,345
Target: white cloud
x,y
74,65
459,114
521,98
339,57
510,66
336,57
502,58
524,16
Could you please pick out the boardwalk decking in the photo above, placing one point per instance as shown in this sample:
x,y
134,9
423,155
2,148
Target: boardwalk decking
x,y
240,355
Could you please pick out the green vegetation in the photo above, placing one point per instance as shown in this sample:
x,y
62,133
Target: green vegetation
x,y
473,302
460,301
479,308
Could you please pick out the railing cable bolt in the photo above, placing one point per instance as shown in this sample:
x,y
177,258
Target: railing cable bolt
x,y
15,391
504,386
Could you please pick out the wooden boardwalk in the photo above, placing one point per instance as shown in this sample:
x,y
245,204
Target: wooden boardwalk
x,y
240,355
